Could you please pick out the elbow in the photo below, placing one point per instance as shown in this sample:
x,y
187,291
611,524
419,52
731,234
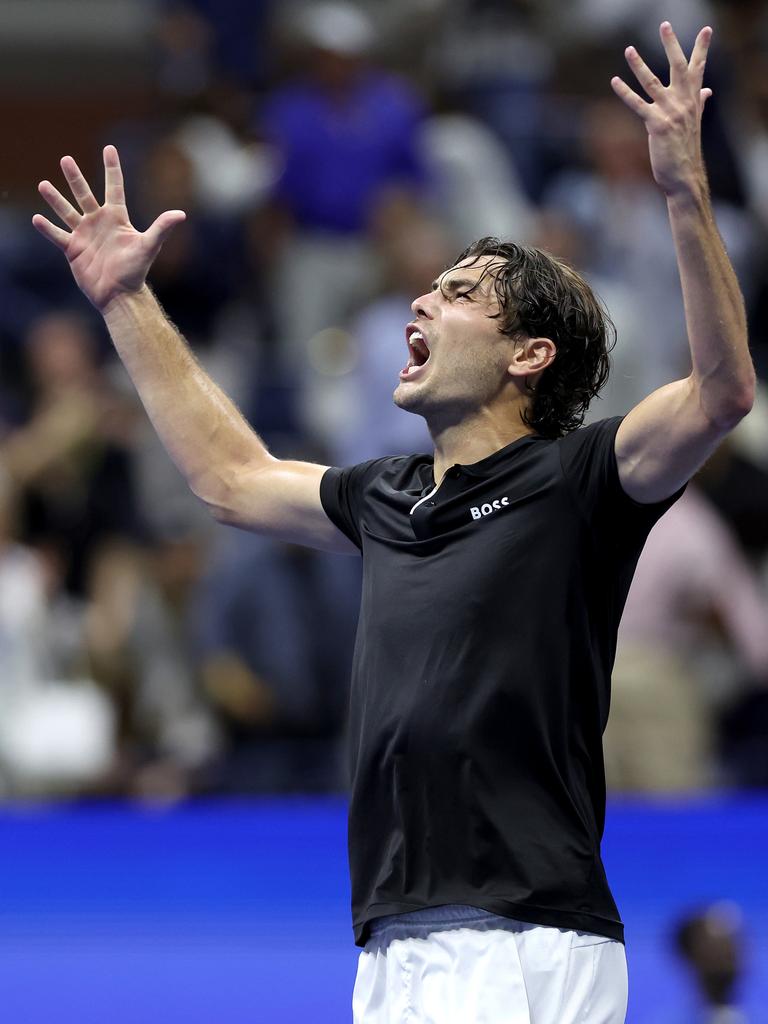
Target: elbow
x,y
747,398
219,505
215,492
225,515
729,410
219,513
233,494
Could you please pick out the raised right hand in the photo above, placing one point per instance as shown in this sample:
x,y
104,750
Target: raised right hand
x,y
107,255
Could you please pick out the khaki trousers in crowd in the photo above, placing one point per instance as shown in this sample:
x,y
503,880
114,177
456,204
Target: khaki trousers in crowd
x,y
659,734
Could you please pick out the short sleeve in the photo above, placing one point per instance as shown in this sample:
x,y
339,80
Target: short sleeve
x,y
588,460
342,496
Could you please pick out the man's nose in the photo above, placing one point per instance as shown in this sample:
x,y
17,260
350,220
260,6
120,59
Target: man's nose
x,y
421,306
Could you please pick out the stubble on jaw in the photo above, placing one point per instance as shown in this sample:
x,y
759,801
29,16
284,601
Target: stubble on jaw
x,y
443,406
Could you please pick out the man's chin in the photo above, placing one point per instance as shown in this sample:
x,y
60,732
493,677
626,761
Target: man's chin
x,y
408,396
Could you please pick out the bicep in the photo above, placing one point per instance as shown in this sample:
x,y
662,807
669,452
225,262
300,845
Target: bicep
x,y
663,441
281,500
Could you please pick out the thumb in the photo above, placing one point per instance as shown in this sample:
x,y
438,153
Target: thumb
x,y
705,94
158,231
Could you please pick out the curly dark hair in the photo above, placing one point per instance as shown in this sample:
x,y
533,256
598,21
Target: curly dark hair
x,y
541,296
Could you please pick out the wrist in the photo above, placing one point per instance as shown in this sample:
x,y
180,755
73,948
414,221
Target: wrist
x,y
693,194
122,302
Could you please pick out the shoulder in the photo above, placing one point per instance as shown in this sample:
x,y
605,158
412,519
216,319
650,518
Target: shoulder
x,y
590,468
596,433
389,471
590,448
349,495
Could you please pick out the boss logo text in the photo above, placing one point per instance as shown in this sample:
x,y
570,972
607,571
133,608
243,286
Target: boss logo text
x,y
478,511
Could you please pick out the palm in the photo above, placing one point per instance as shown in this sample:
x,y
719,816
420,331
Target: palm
x,y
107,255
673,118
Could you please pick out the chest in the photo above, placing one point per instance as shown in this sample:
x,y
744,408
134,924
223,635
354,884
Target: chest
x,y
466,514
470,554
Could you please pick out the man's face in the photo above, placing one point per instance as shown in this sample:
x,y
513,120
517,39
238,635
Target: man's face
x,y
467,358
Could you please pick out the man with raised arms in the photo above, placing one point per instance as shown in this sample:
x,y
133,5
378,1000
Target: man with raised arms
x,y
495,572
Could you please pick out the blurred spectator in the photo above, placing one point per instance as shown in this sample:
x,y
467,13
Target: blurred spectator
x,y
73,461
497,57
344,128
20,303
738,487
56,729
141,648
711,944
691,577
748,125
231,176
203,41
72,456
274,626
750,122
562,235
614,203
637,22
346,133
201,267
474,187
184,37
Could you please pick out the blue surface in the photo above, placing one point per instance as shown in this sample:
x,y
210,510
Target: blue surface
x,y
238,912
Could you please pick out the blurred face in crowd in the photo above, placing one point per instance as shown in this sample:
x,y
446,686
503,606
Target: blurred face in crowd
x,y
334,72
458,361
61,353
168,178
712,945
414,253
615,143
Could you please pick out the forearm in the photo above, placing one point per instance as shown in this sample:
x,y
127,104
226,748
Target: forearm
x,y
202,430
714,309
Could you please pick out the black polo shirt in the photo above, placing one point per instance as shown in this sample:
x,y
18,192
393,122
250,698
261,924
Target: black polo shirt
x,y
481,677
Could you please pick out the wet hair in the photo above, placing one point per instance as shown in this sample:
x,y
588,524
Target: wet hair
x,y
541,296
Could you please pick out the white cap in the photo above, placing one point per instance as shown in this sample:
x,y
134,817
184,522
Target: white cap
x,y
339,27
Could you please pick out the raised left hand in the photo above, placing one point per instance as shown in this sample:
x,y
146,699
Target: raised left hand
x,y
673,118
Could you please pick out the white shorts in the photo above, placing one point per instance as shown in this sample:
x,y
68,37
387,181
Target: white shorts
x,y
458,965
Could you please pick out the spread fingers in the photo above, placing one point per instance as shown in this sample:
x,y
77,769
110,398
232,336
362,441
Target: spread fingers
x,y
54,234
80,187
678,63
650,82
113,177
59,204
630,97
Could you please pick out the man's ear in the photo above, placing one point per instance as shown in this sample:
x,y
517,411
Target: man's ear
x,y
532,355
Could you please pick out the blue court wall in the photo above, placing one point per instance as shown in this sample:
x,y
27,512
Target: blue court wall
x,y
237,913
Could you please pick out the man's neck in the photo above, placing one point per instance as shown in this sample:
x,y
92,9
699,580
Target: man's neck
x,y
472,440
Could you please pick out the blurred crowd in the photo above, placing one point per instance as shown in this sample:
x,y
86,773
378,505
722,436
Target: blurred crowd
x,y
711,943
332,158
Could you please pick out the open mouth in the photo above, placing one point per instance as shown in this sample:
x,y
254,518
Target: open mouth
x,y
418,353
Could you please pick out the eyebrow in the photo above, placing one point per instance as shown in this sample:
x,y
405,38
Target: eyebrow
x,y
454,284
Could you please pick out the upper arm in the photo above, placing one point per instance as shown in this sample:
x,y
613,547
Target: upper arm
x,y
281,499
664,440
